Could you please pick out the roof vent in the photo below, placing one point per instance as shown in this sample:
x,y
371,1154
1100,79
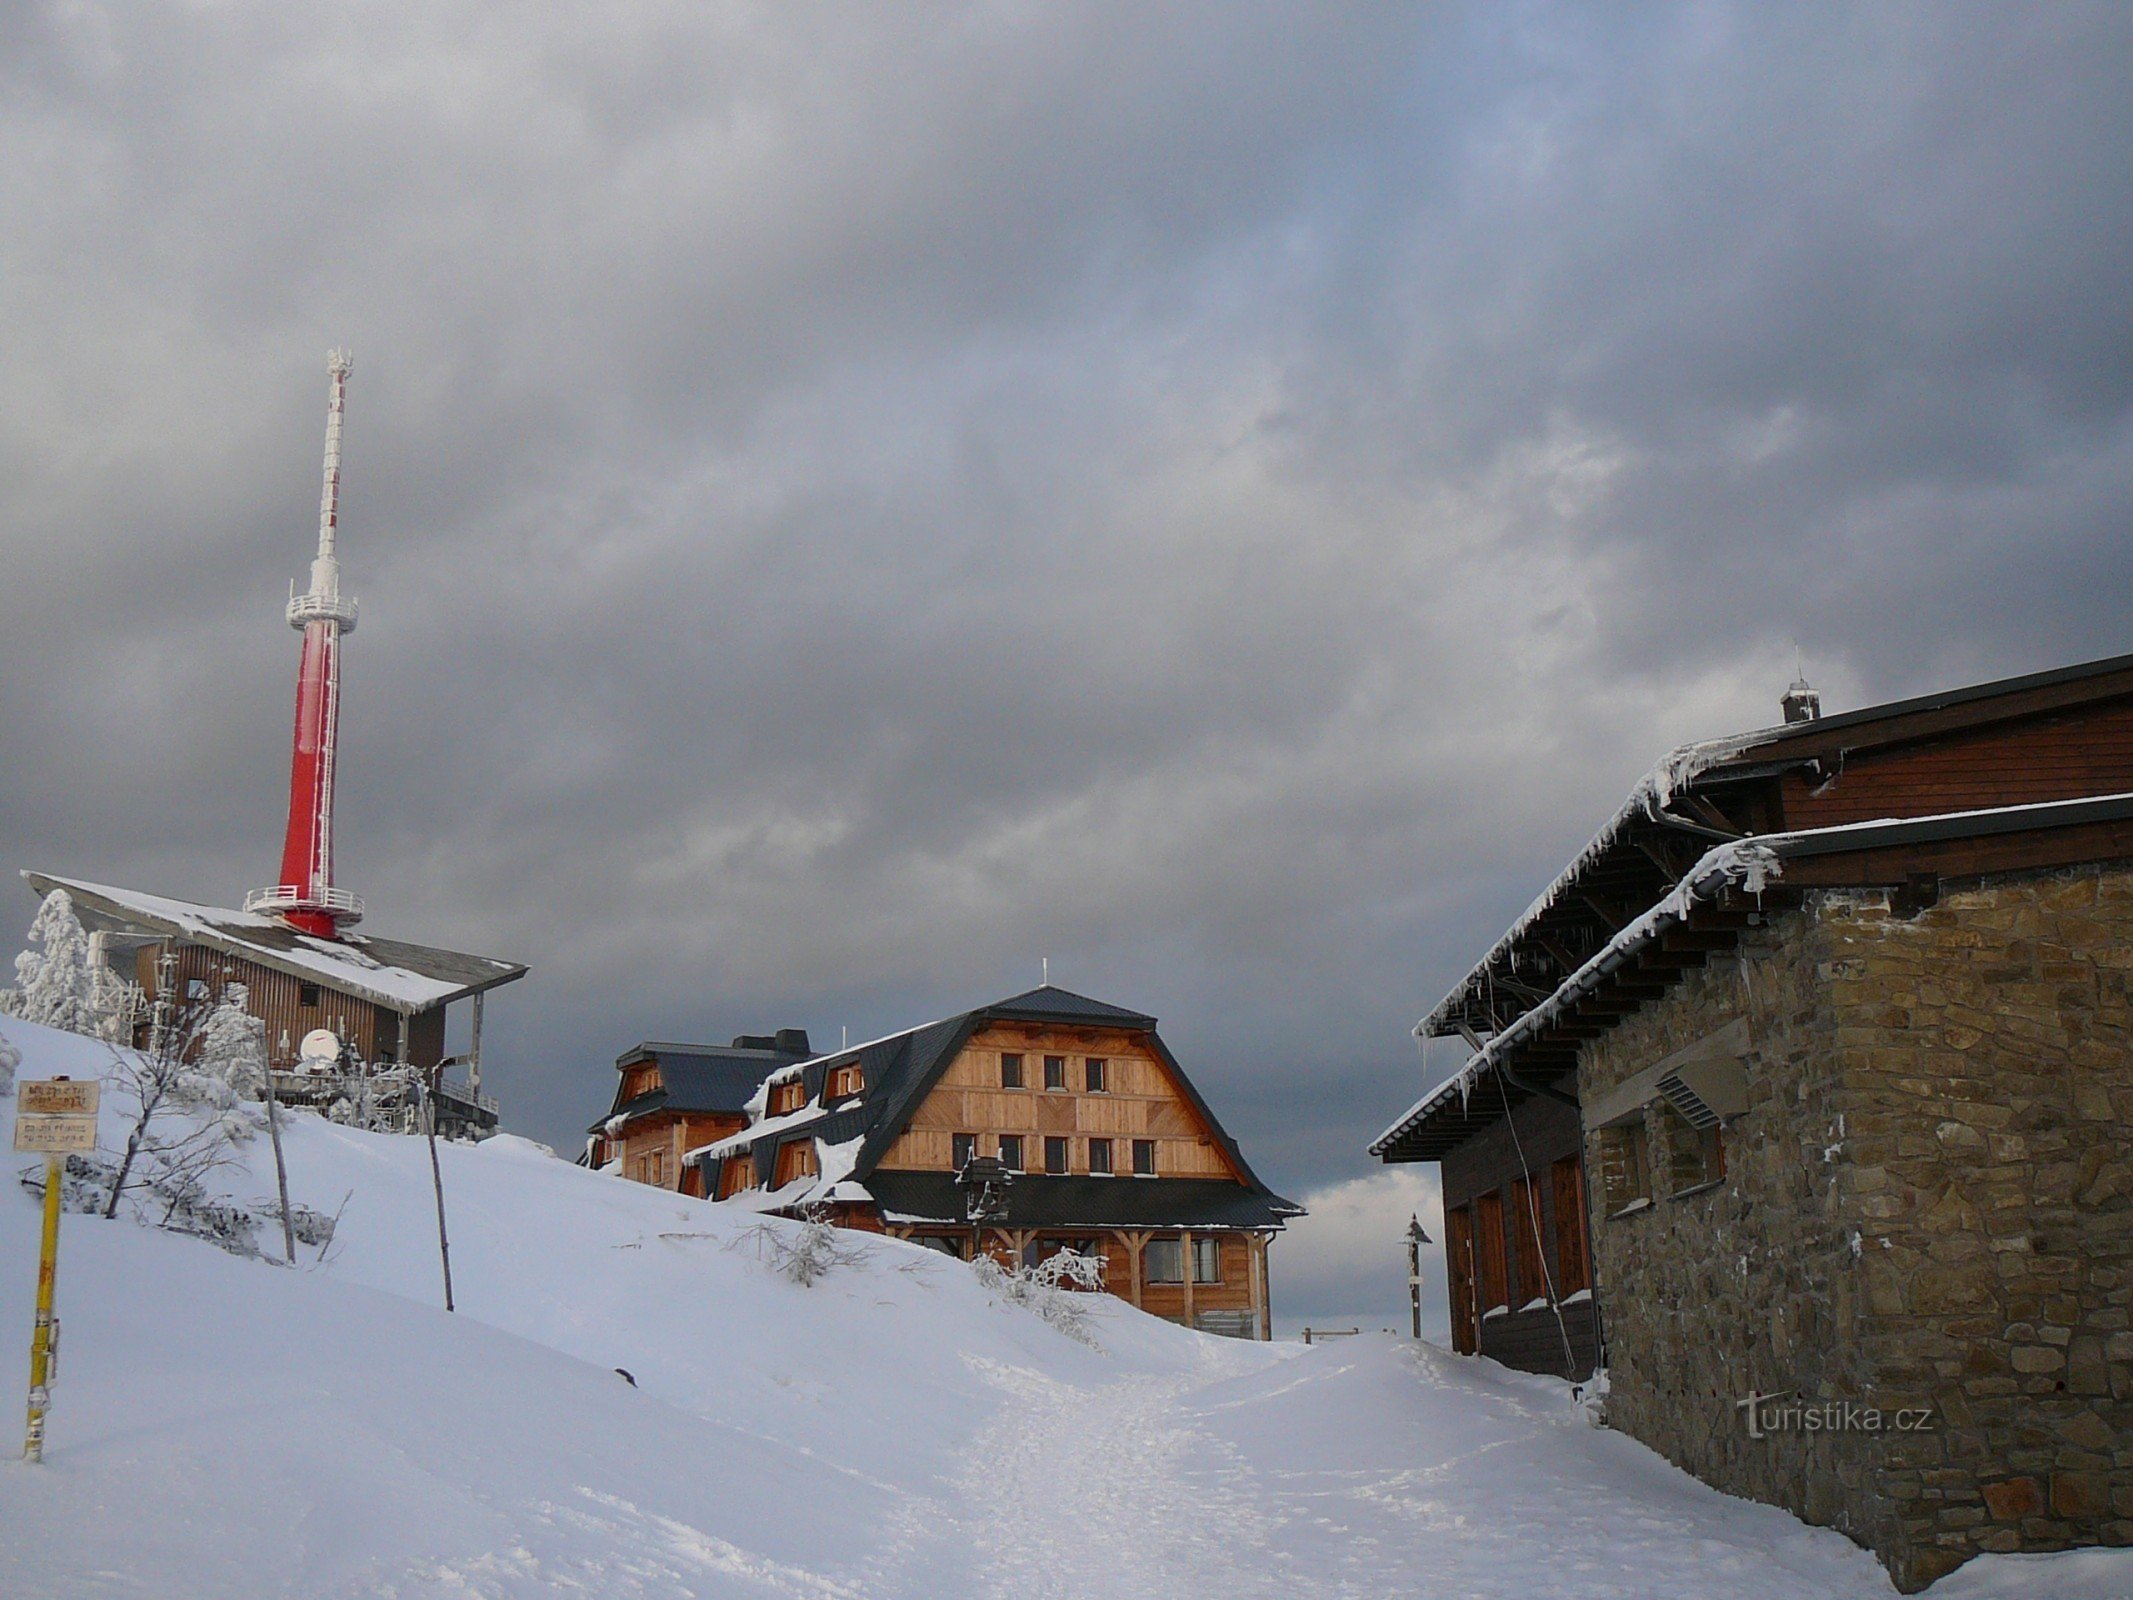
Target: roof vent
x,y
793,1042
1801,702
754,1041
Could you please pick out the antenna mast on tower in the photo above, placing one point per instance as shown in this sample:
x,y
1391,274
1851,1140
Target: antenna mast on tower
x,y
305,897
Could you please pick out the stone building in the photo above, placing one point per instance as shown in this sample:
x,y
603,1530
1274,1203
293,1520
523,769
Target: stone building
x,y
1850,1088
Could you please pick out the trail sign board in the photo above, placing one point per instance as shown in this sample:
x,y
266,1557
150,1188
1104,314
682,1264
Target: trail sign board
x,y
58,1097
54,1135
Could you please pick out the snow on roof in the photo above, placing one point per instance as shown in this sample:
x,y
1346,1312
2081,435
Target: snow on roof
x,y
400,977
1653,792
1750,864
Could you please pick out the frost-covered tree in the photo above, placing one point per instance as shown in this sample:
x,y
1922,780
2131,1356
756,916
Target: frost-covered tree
x,y
185,1114
233,1044
10,1059
55,978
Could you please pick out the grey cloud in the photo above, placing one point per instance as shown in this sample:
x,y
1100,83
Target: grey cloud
x,y
848,506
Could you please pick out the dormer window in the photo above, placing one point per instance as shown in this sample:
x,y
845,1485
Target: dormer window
x,y
844,1080
787,1097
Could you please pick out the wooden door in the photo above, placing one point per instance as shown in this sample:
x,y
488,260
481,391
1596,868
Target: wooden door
x,y
1459,1270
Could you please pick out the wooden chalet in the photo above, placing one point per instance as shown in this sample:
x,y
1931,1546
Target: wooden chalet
x,y
673,1098
383,999
1111,1152
1783,1084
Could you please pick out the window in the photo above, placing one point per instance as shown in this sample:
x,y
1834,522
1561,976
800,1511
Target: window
x,y
1164,1261
1100,1156
1526,1240
307,994
1695,1156
1625,1174
965,1146
1094,1071
1488,1251
1207,1261
1011,1151
1573,1270
847,1079
947,1244
1459,1267
735,1173
1144,1158
1010,1072
1055,1154
796,1161
787,1097
1055,1072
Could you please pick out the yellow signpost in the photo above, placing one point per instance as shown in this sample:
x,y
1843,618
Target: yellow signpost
x,y
53,1117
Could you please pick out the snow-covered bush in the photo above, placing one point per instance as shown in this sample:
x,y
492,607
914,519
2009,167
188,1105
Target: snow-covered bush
x,y
10,1059
1054,1288
55,978
807,1254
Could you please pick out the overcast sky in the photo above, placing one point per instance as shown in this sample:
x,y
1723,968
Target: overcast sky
x,y
849,502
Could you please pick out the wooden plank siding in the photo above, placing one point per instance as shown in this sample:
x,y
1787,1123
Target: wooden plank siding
x,y
1139,1102
2066,756
276,998
652,1145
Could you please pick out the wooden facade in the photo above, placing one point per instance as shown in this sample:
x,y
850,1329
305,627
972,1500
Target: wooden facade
x,y
1110,1150
671,1099
292,1007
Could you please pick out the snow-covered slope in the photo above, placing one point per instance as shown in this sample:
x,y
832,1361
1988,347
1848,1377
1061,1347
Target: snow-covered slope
x,y
227,1428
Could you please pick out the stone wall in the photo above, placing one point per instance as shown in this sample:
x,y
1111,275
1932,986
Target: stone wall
x,y
1928,1206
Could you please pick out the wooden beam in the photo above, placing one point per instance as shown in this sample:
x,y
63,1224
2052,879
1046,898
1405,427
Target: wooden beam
x,y
1185,1250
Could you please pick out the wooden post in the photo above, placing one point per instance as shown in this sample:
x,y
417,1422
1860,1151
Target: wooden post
x,y
1185,1250
474,1051
1255,1254
1134,1242
444,1245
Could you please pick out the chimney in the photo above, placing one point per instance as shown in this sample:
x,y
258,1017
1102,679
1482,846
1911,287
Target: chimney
x,y
1801,703
793,1042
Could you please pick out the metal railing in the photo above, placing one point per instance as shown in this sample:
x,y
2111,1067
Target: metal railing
x,y
296,897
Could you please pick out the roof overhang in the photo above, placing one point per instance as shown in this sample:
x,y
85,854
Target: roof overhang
x,y
1732,887
405,978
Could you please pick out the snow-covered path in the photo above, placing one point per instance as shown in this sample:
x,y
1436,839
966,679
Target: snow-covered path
x,y
1372,1469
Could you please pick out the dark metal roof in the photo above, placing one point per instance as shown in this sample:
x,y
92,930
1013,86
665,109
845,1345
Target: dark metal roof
x,y
1946,699
1040,1200
1049,1003
696,1077
902,1069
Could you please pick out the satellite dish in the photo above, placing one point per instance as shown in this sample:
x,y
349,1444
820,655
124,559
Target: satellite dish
x,y
320,1051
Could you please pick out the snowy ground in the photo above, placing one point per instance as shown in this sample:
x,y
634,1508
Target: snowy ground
x,y
226,1428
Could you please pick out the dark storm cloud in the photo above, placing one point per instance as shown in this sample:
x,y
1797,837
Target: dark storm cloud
x,y
851,501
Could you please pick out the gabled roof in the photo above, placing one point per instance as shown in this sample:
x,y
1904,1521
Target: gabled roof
x,y
695,1078
407,978
1667,822
2050,834
900,1069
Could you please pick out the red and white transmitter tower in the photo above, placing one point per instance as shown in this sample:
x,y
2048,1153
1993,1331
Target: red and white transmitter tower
x,y
305,897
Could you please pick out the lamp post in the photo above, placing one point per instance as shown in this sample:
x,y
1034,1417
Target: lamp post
x,y
984,1181
1416,1239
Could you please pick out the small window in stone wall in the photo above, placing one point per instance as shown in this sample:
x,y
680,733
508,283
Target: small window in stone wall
x,y
1625,1169
1695,1156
